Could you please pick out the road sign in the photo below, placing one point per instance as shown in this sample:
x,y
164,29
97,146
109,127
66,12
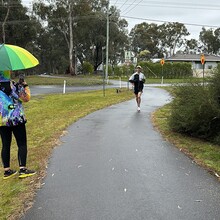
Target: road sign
x,y
162,61
202,59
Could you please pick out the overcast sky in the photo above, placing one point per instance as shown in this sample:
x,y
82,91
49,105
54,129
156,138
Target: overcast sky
x,y
197,13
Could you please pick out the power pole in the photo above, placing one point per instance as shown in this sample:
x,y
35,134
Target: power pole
x,y
107,42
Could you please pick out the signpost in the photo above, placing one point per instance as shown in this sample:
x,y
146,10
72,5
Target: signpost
x,y
162,63
202,59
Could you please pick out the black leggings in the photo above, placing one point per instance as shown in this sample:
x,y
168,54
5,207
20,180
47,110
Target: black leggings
x,y
19,132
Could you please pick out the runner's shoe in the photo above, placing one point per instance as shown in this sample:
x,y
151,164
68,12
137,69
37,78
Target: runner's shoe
x,y
24,172
9,173
138,109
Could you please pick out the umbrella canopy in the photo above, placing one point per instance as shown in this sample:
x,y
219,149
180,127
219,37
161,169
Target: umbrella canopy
x,y
16,58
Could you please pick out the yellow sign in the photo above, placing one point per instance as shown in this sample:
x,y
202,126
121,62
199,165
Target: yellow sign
x,y
162,61
202,59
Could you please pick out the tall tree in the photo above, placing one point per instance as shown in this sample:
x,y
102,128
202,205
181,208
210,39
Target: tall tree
x,y
118,36
211,40
191,46
89,27
173,36
17,26
145,36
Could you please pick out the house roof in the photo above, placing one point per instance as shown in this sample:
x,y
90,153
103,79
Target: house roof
x,y
193,57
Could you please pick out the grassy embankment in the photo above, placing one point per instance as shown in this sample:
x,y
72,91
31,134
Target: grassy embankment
x,y
70,81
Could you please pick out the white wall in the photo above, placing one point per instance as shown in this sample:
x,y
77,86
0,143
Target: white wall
x,y
208,65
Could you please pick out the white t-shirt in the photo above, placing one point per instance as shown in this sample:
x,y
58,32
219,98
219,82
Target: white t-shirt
x,y
141,76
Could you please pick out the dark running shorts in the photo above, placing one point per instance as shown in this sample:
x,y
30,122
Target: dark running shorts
x,y
138,89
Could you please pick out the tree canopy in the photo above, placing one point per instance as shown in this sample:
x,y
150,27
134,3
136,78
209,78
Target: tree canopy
x,y
211,40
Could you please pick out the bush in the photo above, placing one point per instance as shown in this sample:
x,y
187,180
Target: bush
x,y
154,70
196,111
87,68
169,71
214,82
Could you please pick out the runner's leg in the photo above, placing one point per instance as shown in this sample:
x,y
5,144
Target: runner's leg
x,y
139,99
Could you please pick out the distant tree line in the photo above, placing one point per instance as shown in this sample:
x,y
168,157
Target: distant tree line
x,y
65,33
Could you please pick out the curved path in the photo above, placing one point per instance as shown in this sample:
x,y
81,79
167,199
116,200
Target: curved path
x,y
113,165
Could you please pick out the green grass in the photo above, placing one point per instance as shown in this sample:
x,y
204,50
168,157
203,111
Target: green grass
x,y
202,152
93,80
48,117
173,81
59,80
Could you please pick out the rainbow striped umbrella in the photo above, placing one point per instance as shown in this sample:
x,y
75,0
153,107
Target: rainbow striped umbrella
x,y
16,58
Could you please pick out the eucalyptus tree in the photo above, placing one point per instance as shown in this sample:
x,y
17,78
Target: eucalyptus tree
x,y
145,37
91,34
191,44
172,36
211,40
57,16
119,40
17,27
80,27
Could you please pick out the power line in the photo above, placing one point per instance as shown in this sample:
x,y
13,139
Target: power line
x,y
115,3
175,3
123,4
152,3
178,5
128,17
78,18
134,7
130,5
163,21
185,7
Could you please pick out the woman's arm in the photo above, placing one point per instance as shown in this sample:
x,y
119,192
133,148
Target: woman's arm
x,y
24,92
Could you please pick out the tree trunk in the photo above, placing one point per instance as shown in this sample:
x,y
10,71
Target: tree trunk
x,y
71,69
3,24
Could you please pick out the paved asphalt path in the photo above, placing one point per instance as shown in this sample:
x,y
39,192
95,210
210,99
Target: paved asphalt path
x,y
113,165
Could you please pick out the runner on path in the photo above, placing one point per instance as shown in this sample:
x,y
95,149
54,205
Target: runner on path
x,y
138,79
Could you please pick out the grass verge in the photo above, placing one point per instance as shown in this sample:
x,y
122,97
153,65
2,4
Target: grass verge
x,y
94,80
59,80
202,152
48,117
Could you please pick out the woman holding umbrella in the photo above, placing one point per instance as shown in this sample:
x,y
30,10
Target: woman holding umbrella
x,y
12,121
12,118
